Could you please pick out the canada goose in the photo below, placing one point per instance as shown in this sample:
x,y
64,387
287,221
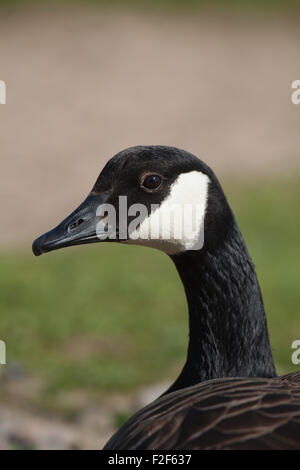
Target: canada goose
x,y
227,395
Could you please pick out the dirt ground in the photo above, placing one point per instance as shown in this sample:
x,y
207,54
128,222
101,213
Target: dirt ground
x,y
80,420
84,83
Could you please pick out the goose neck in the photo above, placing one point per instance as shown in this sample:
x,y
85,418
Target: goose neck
x,y
228,333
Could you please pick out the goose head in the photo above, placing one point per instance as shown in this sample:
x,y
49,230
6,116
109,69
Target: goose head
x,y
155,196
168,199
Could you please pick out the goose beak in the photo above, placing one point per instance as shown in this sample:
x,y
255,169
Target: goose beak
x,y
78,228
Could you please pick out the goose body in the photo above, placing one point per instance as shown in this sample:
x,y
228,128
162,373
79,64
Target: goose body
x,y
233,413
228,394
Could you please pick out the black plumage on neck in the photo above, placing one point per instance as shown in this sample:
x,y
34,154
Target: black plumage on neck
x,y
228,335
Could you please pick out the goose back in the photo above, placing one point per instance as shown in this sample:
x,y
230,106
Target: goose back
x,y
232,413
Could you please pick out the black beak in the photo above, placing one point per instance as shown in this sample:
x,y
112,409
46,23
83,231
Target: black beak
x,y
78,228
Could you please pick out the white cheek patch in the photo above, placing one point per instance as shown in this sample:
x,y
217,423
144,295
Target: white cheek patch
x,y
177,224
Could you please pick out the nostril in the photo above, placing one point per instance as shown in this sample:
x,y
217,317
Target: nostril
x,y
75,224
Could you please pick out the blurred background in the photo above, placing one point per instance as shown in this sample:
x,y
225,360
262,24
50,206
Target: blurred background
x,y
87,340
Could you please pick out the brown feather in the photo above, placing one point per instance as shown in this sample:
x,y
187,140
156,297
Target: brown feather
x,y
233,413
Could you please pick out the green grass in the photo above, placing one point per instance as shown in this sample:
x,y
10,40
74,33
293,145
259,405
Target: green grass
x,y
267,6
110,317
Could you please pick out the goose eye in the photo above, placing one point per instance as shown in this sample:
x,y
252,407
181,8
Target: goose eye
x,y
151,182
